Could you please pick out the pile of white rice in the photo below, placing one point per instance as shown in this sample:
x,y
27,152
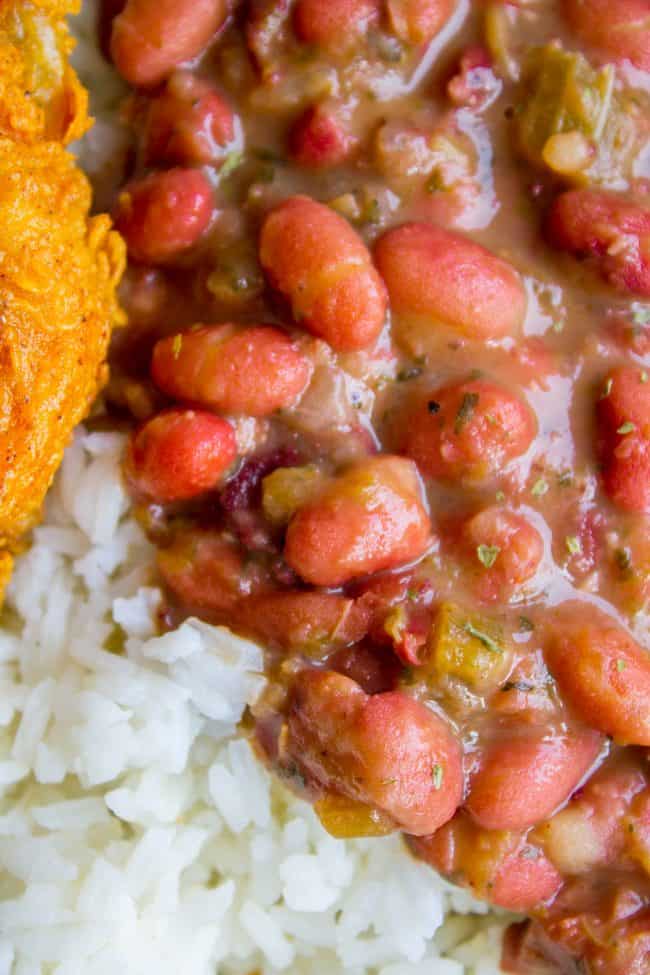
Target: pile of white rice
x,y
138,834
137,831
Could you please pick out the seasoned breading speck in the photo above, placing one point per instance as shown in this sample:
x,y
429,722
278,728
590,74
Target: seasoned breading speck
x,y
59,267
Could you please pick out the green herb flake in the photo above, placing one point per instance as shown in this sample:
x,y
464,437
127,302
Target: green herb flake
x,y
558,327
232,162
526,624
573,544
642,316
482,637
388,781
177,345
437,775
487,554
540,487
627,427
607,388
620,665
565,479
500,496
644,377
465,411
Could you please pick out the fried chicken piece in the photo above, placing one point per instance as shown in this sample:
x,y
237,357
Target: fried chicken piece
x,y
59,267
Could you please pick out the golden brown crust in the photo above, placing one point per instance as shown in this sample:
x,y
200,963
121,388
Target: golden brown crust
x,y
58,267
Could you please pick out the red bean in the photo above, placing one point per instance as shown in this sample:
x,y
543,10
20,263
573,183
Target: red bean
x,y
315,259
255,370
335,24
207,573
620,30
609,230
623,416
309,622
151,37
370,518
522,780
500,867
318,139
468,431
525,880
418,21
179,454
591,830
504,549
386,750
188,123
603,673
447,279
164,214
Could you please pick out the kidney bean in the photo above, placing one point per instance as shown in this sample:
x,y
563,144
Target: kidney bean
x,y
418,21
370,518
623,417
207,573
591,830
315,259
335,24
164,214
620,30
307,622
504,548
468,431
188,123
179,454
448,279
151,37
318,139
386,750
603,673
610,231
255,370
523,779
502,868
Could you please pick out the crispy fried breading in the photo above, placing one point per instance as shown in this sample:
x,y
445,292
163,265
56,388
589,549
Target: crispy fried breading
x,y
58,267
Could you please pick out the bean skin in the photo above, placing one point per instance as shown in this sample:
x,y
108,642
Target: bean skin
x,y
152,37
521,781
386,750
309,622
369,519
188,123
315,259
418,21
468,431
254,371
164,214
623,419
619,30
318,139
515,544
609,230
604,675
499,867
334,24
444,277
179,454
207,573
